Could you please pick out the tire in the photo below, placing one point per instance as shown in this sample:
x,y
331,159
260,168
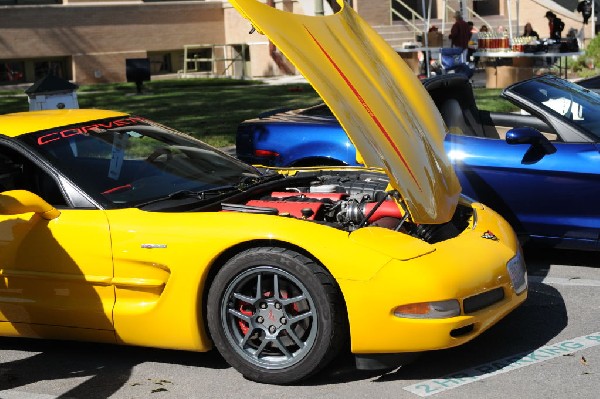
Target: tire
x,y
276,316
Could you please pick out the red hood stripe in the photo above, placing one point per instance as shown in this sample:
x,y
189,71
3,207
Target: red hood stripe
x,y
366,107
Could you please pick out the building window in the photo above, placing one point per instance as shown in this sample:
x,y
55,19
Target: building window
x,y
44,68
12,72
160,62
28,2
200,59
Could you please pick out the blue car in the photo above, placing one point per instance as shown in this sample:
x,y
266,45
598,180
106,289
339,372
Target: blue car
x,y
539,168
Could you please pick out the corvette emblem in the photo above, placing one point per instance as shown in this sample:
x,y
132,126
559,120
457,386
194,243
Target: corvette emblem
x,y
150,246
489,235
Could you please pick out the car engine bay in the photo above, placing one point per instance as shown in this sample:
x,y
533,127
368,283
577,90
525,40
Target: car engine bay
x,y
346,201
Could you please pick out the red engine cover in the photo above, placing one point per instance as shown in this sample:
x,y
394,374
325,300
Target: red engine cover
x,y
292,208
288,194
387,209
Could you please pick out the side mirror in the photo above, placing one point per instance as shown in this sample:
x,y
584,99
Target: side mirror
x,y
15,202
540,145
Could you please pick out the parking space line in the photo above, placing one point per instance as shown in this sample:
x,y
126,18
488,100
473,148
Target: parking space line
x,y
478,373
13,394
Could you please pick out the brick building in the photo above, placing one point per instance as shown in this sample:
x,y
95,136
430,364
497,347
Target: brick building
x,y
89,41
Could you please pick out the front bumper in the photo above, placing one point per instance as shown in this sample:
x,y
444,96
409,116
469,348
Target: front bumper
x,y
469,268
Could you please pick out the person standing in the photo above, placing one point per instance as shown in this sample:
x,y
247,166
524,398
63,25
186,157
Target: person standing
x,y
460,33
555,25
585,8
472,46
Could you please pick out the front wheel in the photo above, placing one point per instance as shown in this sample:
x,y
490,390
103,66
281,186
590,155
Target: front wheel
x,y
275,315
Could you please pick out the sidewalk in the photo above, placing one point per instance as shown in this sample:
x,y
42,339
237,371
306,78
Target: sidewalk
x,y
478,79
284,80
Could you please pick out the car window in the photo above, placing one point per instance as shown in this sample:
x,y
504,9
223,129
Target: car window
x,y
126,161
18,172
564,99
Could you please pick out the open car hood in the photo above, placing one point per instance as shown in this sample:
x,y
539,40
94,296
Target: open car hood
x,y
377,99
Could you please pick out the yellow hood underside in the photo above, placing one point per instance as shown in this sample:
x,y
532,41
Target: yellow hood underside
x,y
383,107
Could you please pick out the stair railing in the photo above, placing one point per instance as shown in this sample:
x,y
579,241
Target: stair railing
x,y
475,15
414,14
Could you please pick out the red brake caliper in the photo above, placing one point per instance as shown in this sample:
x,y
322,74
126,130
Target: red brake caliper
x,y
285,295
246,310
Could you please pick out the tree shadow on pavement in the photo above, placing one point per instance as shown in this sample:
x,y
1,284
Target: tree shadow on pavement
x,y
108,367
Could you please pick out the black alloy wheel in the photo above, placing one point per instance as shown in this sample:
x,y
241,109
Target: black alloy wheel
x,y
276,315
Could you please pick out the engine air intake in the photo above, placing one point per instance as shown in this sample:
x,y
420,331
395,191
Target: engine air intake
x,y
481,301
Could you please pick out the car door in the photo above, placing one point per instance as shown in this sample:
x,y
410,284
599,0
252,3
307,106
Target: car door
x,y
52,272
550,196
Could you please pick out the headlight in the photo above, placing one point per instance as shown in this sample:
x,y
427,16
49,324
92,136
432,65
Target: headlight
x,y
518,273
429,310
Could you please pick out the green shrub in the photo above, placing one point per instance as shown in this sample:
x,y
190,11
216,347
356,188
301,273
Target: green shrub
x,y
593,50
586,65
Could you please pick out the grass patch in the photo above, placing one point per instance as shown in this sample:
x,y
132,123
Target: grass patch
x,y
210,113
209,109
490,100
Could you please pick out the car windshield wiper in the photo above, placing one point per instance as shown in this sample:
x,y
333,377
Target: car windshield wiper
x,y
245,183
248,181
199,195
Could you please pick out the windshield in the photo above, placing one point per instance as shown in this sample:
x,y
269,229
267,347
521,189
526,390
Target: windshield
x,y
127,161
565,99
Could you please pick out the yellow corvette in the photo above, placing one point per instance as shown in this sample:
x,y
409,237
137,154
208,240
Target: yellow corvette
x,y
117,229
